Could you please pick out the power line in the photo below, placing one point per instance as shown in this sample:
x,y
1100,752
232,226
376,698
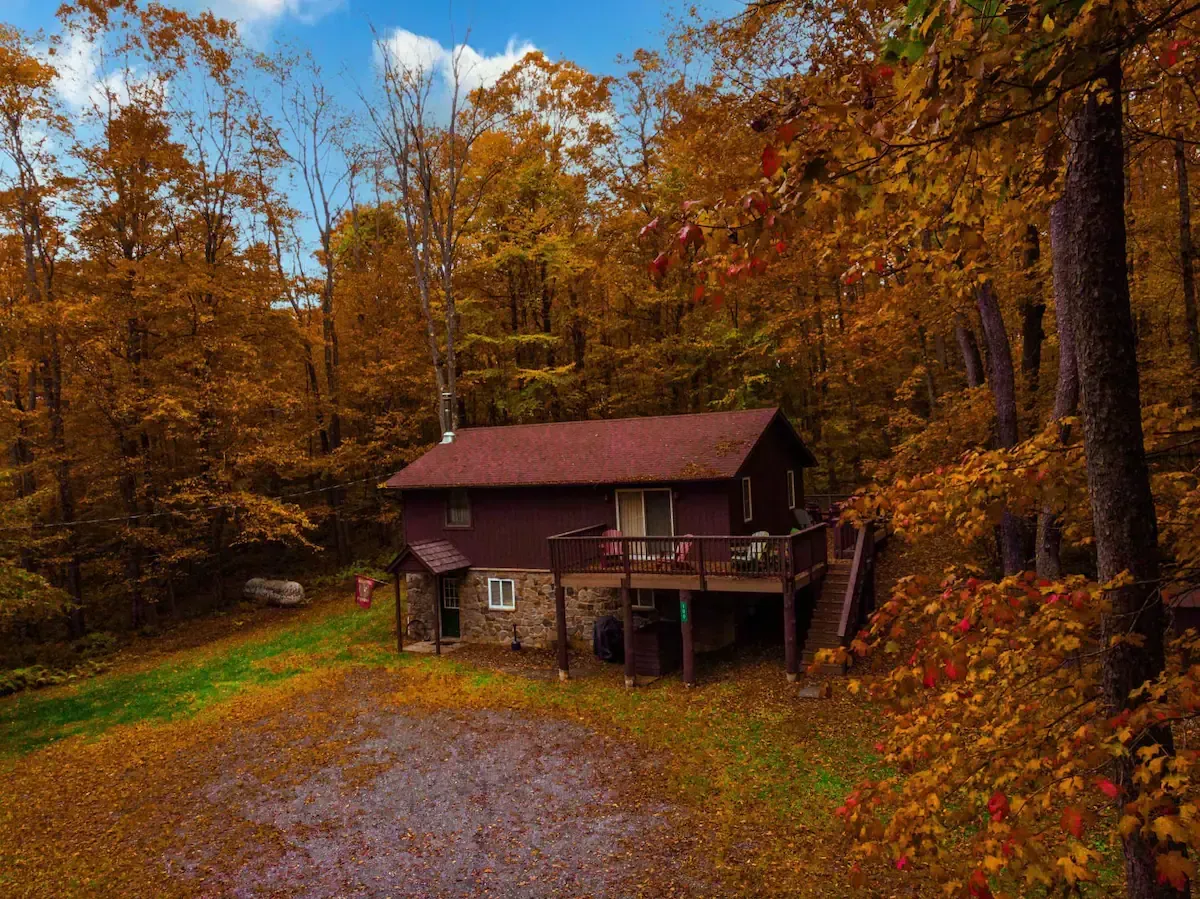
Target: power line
x,y
121,519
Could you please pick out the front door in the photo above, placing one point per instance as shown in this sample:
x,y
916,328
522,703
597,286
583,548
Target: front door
x,y
449,600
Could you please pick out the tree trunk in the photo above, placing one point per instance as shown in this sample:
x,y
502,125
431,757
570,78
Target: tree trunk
x,y
931,390
1066,397
1185,253
1033,310
970,350
1118,478
1004,394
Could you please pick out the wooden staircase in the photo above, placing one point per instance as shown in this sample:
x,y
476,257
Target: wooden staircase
x,y
827,614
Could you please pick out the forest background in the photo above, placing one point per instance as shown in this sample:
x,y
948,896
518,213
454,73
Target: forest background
x,y
951,240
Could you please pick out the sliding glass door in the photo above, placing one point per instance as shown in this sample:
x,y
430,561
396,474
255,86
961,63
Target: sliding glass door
x,y
646,513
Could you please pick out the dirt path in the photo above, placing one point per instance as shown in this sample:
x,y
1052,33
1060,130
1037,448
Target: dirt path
x,y
399,802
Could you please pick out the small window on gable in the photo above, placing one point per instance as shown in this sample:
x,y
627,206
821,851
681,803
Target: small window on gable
x,y
747,502
502,593
458,509
791,485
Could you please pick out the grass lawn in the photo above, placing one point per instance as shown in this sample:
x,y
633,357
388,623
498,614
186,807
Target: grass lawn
x,y
129,783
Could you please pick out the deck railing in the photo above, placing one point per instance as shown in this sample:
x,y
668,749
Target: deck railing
x,y
586,551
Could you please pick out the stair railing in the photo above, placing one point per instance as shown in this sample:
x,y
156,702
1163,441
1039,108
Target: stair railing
x,y
861,585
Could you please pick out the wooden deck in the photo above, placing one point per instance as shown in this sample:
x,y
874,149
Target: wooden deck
x,y
693,565
685,581
741,563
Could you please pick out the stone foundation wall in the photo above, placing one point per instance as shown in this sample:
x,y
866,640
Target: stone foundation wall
x,y
420,607
533,615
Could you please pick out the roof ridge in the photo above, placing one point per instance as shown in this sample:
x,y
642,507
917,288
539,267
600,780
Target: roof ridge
x,y
584,421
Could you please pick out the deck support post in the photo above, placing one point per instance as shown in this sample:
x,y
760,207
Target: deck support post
x,y
627,610
560,620
689,648
399,615
437,615
789,631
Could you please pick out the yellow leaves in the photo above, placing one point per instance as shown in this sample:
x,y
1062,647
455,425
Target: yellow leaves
x,y
1174,868
1168,828
1048,23
1073,872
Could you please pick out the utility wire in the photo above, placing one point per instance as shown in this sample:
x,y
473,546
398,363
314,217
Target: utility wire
x,y
118,519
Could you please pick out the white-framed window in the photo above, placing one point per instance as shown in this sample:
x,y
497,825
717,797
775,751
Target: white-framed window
x,y
449,592
643,599
747,501
791,484
458,509
502,593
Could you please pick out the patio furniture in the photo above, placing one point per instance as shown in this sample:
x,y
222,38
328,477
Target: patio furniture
x,y
683,552
610,549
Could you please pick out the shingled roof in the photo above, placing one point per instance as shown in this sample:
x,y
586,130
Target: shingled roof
x,y
435,556
700,447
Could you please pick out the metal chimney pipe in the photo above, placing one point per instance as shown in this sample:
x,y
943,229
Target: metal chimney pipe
x,y
447,417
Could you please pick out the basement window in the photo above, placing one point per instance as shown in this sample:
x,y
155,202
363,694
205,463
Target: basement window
x,y
502,593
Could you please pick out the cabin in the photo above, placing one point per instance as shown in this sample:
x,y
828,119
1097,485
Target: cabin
x,y
686,528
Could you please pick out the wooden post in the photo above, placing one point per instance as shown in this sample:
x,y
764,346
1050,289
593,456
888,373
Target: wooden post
x,y
399,616
560,615
685,625
627,609
789,631
437,615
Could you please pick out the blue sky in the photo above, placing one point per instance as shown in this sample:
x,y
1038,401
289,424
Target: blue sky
x,y
338,32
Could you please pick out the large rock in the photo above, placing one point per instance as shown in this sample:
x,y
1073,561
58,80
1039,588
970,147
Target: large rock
x,y
285,594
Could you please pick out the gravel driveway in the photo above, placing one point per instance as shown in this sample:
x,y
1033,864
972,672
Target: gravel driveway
x,y
387,802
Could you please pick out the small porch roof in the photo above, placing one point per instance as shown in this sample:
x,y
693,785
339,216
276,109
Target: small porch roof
x,y
430,556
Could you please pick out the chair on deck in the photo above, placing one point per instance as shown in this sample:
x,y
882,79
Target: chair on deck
x,y
683,552
610,549
756,552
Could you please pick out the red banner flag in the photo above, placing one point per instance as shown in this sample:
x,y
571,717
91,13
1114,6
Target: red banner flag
x,y
364,587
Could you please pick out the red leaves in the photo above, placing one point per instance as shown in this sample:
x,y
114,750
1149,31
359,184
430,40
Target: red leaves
x,y
691,233
780,246
977,885
756,202
1171,56
930,678
770,161
788,131
1072,821
998,806
649,228
963,626
658,266
698,293
902,863
1108,788
884,72
952,670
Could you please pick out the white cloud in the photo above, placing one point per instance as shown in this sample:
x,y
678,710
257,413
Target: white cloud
x,y
256,18
77,64
81,82
418,53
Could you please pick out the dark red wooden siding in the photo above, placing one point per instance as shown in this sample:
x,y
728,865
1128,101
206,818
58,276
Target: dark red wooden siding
x,y
767,467
510,525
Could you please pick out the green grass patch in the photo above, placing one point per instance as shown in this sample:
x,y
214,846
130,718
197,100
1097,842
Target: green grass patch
x,y
194,680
